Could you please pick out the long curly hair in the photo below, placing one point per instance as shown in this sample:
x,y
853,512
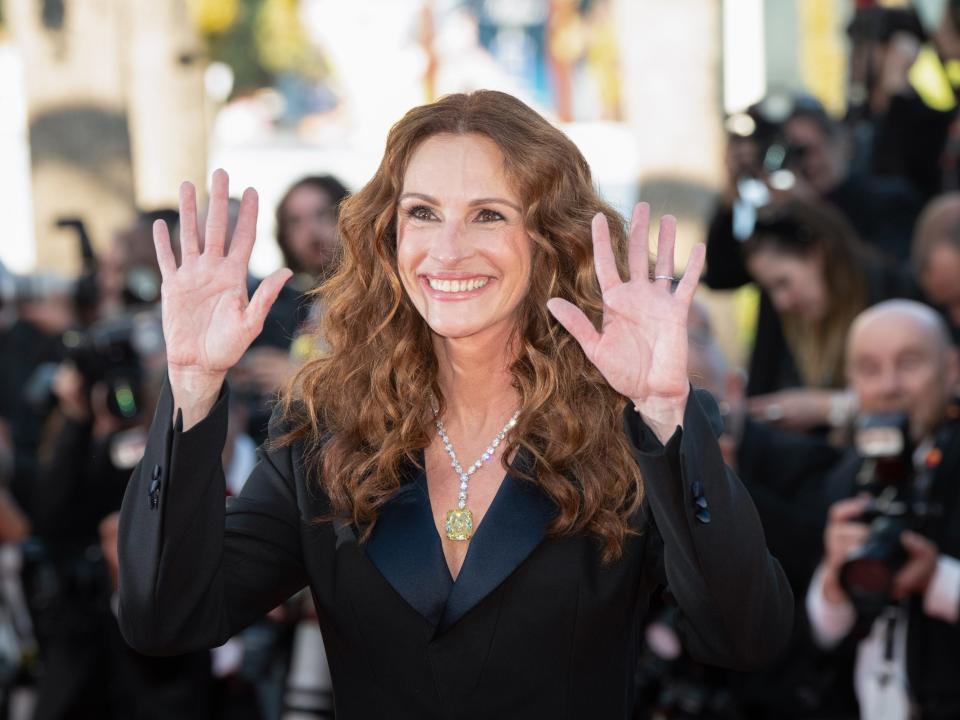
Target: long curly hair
x,y
363,410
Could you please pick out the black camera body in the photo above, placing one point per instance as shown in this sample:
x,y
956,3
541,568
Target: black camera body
x,y
888,474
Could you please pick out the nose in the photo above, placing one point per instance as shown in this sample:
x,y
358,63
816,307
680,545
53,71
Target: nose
x,y
450,245
888,385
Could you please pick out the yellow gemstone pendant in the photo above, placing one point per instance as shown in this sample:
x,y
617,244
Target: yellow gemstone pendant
x,y
459,524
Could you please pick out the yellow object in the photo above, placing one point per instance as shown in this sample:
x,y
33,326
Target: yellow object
x,y
213,17
746,305
459,525
823,56
934,83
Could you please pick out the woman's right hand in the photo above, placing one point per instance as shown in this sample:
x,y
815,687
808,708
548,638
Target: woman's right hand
x,y
207,321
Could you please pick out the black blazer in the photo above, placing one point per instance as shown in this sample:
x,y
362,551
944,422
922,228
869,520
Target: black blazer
x,y
534,626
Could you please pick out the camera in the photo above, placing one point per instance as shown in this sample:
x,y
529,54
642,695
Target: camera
x,y
888,474
111,352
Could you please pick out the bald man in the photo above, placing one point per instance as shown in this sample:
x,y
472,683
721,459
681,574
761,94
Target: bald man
x,y
900,359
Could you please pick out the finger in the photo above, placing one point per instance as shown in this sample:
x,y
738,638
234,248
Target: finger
x,y
687,286
241,245
666,239
603,260
576,323
639,260
217,214
913,576
916,544
161,242
256,312
848,509
189,235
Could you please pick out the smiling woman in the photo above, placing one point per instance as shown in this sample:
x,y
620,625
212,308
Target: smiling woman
x,y
477,266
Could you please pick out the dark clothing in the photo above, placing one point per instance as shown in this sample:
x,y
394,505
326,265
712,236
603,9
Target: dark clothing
x,y
882,210
28,360
785,473
286,315
533,627
87,668
933,659
77,488
909,142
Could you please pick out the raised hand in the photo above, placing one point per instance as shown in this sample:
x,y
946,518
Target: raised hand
x,y
641,347
208,322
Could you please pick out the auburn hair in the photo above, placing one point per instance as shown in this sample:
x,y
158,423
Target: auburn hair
x,y
363,410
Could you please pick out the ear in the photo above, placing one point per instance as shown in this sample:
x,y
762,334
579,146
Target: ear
x,y
953,369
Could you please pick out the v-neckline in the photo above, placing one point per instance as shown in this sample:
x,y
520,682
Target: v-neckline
x,y
424,483
409,553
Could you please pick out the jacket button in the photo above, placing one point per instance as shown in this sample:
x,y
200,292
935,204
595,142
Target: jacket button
x,y
701,502
703,516
156,471
696,488
154,487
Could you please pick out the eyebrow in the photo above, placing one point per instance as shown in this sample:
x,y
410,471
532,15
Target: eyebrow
x,y
477,201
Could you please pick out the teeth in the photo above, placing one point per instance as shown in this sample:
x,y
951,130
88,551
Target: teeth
x,y
457,285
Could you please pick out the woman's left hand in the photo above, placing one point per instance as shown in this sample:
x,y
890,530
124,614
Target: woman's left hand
x,y
641,348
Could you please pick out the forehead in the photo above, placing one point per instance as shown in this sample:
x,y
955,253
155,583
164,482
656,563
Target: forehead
x,y
469,165
805,127
892,335
306,195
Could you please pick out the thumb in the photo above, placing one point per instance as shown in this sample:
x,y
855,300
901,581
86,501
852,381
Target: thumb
x,y
575,322
913,543
263,299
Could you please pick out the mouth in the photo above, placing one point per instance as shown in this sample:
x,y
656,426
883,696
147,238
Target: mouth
x,y
454,288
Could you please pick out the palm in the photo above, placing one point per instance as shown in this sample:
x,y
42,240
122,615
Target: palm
x,y
641,347
207,322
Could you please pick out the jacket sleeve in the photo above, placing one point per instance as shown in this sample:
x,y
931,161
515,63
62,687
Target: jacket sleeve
x,y
736,606
195,569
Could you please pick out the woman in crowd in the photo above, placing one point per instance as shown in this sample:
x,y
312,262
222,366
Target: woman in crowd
x,y
936,257
478,264
819,276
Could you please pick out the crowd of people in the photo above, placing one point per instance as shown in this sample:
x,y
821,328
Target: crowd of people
x,y
844,426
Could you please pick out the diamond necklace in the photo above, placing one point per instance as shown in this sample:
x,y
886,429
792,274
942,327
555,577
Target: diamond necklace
x,y
459,523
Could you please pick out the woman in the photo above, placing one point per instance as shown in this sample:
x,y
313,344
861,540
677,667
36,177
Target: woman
x,y
819,277
470,593
935,255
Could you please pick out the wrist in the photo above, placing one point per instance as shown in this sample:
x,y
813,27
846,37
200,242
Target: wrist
x,y
194,392
662,415
832,589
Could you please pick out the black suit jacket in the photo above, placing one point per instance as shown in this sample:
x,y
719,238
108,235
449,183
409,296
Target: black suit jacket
x,y
534,627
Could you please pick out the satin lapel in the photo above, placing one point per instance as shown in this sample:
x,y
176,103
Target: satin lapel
x,y
513,526
406,549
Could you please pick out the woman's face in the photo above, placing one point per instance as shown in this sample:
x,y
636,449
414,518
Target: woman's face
x,y
795,284
462,249
310,219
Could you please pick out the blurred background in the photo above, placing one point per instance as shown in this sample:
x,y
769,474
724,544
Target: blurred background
x,y
111,104
814,145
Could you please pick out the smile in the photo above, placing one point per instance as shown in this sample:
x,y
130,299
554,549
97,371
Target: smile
x,y
457,286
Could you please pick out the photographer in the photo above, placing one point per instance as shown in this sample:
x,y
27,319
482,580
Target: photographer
x,y
888,587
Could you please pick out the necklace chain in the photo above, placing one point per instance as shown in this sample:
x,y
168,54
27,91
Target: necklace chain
x,y
464,475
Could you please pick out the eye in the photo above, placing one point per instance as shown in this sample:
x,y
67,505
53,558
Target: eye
x,y
487,215
420,212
